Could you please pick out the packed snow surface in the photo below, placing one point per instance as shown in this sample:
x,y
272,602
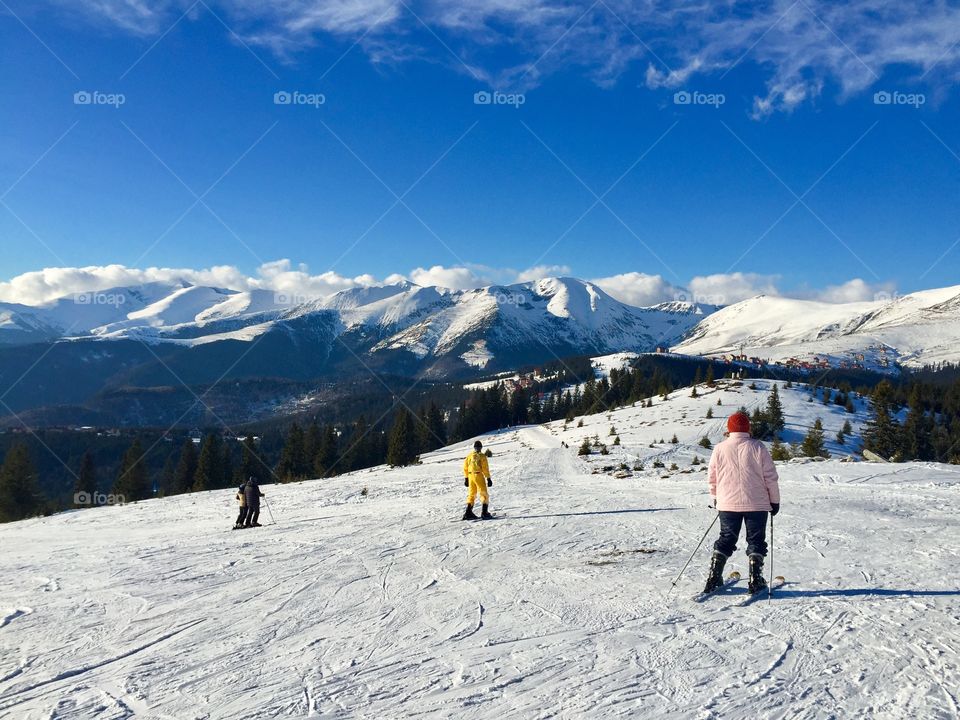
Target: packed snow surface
x,y
384,605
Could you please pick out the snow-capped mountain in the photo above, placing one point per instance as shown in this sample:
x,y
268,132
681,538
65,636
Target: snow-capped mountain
x,y
562,314
112,348
917,329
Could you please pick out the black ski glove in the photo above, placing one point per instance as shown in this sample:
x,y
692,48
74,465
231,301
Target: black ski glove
x,y
774,509
489,482
466,482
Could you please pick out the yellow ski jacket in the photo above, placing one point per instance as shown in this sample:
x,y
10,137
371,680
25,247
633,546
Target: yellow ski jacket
x,y
476,468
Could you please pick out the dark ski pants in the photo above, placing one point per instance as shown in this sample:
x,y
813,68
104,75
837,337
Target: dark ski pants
x,y
730,523
242,516
253,516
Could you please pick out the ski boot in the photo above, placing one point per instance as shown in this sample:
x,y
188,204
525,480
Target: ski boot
x,y
468,514
715,578
485,515
757,581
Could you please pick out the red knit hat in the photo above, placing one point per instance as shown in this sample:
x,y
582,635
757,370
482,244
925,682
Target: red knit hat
x,y
738,422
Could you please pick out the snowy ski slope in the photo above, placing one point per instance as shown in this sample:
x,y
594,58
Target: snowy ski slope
x,y
385,606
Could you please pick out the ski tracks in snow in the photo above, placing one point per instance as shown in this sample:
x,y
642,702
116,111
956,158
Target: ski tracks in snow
x,y
382,607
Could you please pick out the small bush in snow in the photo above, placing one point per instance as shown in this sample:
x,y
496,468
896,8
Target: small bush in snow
x,y
779,451
674,439
658,464
584,447
580,423
705,442
488,452
673,466
616,440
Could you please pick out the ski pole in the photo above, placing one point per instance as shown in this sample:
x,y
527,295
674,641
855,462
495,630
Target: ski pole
x,y
770,584
683,570
274,522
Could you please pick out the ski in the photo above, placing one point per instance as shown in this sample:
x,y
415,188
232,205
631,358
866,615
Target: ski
x,y
732,578
778,582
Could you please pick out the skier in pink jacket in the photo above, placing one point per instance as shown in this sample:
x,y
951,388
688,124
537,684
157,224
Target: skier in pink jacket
x,y
743,483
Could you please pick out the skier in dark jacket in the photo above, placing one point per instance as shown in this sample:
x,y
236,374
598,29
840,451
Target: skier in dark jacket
x,y
252,495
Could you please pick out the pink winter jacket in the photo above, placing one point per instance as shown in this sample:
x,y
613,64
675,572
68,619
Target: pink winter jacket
x,y
742,475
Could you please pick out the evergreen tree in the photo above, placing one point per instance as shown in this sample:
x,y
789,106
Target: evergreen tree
x,y
812,445
711,382
311,444
133,482
209,474
436,427
841,438
917,430
779,451
847,428
774,414
882,433
167,474
250,464
19,494
359,452
519,403
709,413
186,468
293,457
87,479
327,461
401,449
227,471
759,426
848,406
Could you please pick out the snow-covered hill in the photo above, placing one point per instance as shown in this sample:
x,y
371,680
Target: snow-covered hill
x,y
369,599
913,330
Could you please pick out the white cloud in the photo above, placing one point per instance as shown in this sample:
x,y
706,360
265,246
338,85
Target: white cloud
x,y
855,290
639,289
455,278
729,288
281,276
539,272
802,47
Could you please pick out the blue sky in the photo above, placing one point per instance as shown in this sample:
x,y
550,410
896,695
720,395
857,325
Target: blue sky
x,y
600,173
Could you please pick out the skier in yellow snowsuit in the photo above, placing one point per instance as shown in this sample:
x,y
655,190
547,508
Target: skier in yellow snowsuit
x,y
476,477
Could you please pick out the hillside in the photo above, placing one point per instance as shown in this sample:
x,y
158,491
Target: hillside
x,y
368,598
913,330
